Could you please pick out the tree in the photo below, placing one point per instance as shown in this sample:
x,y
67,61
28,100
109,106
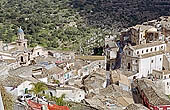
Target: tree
x,y
6,98
59,101
38,88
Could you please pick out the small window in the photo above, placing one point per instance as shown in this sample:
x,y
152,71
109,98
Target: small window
x,y
146,50
136,61
151,49
137,52
151,61
155,48
167,83
169,76
160,59
129,52
142,51
161,47
164,77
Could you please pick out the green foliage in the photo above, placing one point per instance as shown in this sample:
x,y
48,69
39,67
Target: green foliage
x,y
57,81
110,14
49,23
59,101
38,88
7,99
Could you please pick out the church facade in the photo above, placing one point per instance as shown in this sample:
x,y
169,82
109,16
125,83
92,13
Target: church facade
x,y
18,53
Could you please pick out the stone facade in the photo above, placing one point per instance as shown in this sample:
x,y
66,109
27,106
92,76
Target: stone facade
x,y
142,59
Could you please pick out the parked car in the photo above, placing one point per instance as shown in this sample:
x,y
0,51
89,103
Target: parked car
x,y
25,97
44,98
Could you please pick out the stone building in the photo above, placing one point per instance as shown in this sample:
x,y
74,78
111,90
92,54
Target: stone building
x,y
141,34
21,41
142,59
162,80
19,52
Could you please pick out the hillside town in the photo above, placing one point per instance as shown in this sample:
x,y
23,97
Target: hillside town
x,y
134,74
140,54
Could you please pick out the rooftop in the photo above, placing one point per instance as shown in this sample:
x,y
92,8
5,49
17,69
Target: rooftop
x,y
142,27
122,97
124,72
116,76
163,72
154,95
90,57
136,107
154,98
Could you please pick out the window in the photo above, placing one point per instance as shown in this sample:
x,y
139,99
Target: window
x,y
155,48
164,77
151,61
129,53
151,49
38,53
167,83
137,52
146,50
22,59
161,47
160,59
142,51
129,66
136,61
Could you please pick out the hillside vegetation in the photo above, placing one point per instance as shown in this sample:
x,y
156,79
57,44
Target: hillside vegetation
x,y
50,23
78,25
6,98
121,13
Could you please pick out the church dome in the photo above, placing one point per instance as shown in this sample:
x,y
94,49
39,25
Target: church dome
x,y
20,30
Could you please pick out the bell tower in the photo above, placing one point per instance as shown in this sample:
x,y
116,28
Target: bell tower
x,y
21,41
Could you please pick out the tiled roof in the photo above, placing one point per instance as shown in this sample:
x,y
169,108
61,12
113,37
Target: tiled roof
x,y
12,81
136,107
51,71
154,97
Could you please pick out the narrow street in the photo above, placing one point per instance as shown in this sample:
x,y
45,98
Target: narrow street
x,y
136,96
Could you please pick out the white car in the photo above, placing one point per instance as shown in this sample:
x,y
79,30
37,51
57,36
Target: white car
x,y
25,97
44,98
